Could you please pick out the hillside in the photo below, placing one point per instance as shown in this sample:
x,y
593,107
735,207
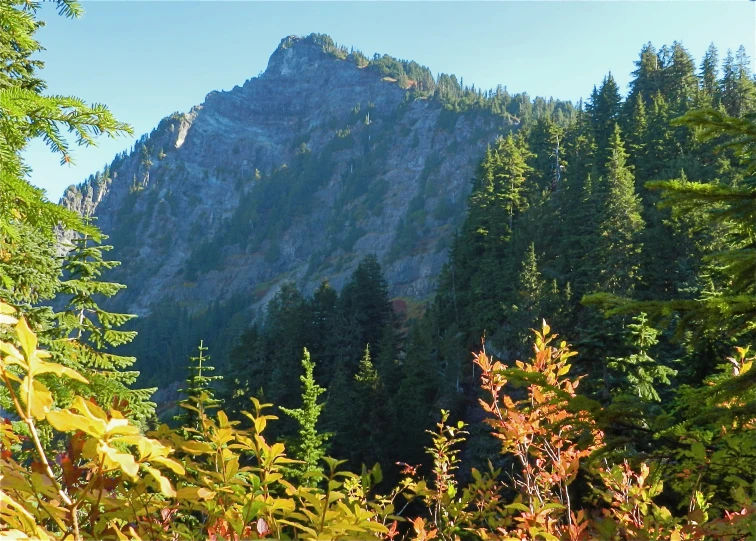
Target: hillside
x,y
297,175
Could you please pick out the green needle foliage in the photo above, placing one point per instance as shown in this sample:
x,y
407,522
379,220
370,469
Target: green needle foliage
x,y
200,396
85,334
82,335
310,444
642,373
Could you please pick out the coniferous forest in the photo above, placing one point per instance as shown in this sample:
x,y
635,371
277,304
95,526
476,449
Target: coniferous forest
x,y
583,371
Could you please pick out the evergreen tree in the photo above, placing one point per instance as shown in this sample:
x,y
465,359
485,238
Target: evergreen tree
x,y
637,135
326,328
500,191
709,73
681,84
372,430
618,248
647,76
84,333
729,87
529,298
30,268
660,145
286,324
641,373
416,398
26,216
310,444
339,417
242,378
365,304
604,109
200,396
745,87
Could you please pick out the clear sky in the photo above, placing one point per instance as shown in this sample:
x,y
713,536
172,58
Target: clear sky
x,y
146,60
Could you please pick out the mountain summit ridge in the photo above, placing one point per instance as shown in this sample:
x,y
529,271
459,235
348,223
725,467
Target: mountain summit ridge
x,y
360,165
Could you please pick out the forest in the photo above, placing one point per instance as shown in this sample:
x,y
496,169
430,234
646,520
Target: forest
x,y
584,370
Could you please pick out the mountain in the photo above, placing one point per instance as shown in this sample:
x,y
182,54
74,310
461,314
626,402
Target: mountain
x,y
296,175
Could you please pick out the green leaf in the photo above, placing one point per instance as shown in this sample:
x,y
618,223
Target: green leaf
x,y
698,450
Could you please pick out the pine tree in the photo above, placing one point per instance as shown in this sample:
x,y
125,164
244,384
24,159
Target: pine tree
x,y
745,86
339,409
637,135
286,330
29,264
372,428
659,145
724,308
310,444
500,191
729,85
325,329
200,396
416,399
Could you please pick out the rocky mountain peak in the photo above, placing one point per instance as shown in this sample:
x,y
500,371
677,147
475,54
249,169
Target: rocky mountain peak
x,y
294,176
296,56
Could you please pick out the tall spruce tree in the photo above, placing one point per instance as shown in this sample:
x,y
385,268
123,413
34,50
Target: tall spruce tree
x,y
647,77
709,74
366,306
618,248
604,109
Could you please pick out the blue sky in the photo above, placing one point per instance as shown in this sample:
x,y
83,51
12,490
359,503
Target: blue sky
x,y
146,60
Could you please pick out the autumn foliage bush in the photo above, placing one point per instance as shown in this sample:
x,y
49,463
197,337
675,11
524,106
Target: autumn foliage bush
x,y
82,472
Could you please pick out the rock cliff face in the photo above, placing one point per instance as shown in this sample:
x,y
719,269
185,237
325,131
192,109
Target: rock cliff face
x,y
293,176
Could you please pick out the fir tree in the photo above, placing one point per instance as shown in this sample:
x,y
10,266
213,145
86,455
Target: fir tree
x,y
729,85
709,73
29,264
619,247
530,290
641,373
365,304
200,396
604,110
372,430
27,114
637,135
84,334
310,444
745,87
681,84
647,75
243,372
